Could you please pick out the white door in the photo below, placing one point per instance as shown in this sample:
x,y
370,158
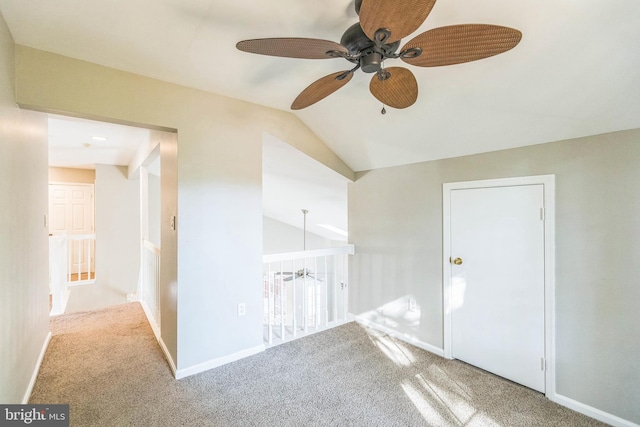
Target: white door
x,y
71,212
497,285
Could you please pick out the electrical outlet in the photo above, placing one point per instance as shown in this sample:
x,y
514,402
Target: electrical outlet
x,y
242,309
412,304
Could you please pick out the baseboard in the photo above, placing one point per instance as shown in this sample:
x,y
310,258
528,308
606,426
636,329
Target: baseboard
x,y
399,335
152,322
276,341
34,376
214,363
167,356
156,331
589,411
63,304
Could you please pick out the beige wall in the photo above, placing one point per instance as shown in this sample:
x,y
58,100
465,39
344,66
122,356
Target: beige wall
x,y
24,289
83,176
395,222
168,239
219,162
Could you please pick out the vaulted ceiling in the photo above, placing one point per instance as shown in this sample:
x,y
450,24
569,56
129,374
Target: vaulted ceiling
x,y
575,72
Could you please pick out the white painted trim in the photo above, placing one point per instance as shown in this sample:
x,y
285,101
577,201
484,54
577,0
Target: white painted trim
x,y
276,341
548,183
395,334
63,304
156,331
153,248
154,326
168,357
214,363
589,411
34,376
71,183
287,256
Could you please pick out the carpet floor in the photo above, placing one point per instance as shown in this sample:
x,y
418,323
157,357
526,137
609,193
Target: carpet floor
x,y
108,366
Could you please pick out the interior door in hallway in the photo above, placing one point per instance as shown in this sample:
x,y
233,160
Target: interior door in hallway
x,y
71,209
498,263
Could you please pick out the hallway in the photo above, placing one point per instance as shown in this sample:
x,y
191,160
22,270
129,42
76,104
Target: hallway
x,y
107,365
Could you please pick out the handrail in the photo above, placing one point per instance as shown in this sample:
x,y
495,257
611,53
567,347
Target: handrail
x,y
289,256
153,248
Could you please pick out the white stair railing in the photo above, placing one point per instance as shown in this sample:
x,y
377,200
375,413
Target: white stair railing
x,y
71,262
304,292
58,274
150,291
81,249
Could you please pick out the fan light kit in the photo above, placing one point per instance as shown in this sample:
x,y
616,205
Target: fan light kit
x,y
376,38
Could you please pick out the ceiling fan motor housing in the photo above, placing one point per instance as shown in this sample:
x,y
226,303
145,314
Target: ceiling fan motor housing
x,y
359,45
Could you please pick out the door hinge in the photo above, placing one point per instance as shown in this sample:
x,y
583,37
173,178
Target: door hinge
x,y
542,214
542,364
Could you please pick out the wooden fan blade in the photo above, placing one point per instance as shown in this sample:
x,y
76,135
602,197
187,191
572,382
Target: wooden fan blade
x,y
320,89
400,90
291,47
456,44
401,17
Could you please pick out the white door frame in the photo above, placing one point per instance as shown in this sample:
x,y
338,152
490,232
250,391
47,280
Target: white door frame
x,y
548,182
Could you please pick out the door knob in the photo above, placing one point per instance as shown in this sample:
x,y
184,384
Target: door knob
x,y
457,261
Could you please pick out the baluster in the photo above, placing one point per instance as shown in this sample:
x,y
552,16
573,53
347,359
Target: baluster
x,y
157,286
270,325
335,288
325,288
345,291
282,302
305,307
89,259
295,301
79,247
316,298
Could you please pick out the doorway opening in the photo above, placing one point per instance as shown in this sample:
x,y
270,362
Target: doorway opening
x,y
95,211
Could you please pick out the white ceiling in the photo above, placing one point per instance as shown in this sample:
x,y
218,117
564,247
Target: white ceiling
x,y
72,143
573,74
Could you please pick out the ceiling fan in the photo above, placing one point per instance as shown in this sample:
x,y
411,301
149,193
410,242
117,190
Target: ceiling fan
x,y
302,273
376,38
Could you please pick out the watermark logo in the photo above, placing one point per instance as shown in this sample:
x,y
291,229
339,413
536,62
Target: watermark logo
x,y
34,415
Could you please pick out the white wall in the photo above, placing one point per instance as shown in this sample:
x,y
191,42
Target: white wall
x,y
395,222
280,237
24,289
117,241
218,159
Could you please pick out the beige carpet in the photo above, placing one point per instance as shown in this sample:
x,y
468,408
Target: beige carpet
x,y
107,365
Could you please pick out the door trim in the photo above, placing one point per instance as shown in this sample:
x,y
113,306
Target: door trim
x,y
548,183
